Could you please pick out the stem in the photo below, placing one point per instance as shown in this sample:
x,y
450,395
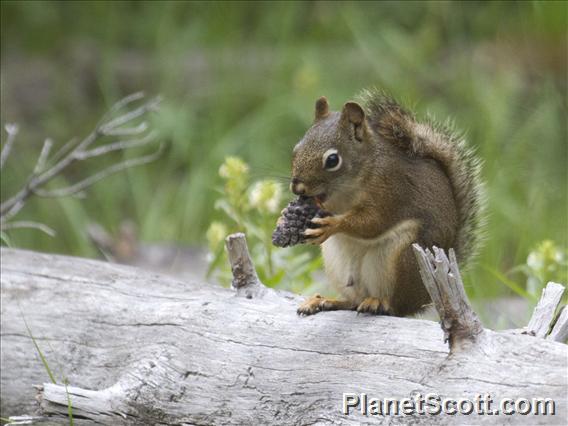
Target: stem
x,y
268,245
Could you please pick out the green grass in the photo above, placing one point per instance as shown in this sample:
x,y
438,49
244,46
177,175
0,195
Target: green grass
x,y
242,78
48,370
40,353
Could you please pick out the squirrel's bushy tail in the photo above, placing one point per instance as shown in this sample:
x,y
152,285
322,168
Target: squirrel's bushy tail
x,y
441,143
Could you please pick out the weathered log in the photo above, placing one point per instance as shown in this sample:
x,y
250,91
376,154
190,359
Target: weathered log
x,y
142,348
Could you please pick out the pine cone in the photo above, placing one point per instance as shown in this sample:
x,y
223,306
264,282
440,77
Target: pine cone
x,y
295,219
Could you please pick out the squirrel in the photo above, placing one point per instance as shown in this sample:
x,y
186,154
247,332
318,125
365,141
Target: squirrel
x,y
388,181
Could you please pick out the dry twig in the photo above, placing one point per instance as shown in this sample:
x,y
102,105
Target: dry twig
x,y
12,131
120,122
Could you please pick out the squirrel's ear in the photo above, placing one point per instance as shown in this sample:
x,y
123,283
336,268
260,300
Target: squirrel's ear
x,y
322,108
353,113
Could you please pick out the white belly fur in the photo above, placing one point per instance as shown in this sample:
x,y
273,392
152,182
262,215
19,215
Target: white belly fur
x,y
370,263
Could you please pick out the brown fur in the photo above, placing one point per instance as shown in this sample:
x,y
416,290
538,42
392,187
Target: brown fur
x,y
394,171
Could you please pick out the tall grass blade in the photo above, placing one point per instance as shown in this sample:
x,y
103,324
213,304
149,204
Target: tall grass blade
x,y
510,283
40,353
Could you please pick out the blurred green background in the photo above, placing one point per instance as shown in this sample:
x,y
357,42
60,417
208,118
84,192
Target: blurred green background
x,y
241,78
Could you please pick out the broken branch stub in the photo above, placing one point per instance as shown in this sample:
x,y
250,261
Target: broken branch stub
x,y
559,331
543,314
442,280
245,279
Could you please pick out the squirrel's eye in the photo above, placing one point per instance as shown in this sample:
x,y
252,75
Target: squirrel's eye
x,y
331,160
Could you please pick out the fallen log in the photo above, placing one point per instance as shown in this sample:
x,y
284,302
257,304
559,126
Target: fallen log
x,y
142,348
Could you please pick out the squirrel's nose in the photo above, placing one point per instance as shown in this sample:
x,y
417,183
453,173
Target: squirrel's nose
x,y
297,187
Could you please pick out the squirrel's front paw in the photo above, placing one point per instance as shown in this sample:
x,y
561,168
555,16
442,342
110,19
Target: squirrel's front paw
x,y
373,305
326,227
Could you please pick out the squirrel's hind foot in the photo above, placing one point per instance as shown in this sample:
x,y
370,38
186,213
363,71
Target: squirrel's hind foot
x,y
317,303
374,305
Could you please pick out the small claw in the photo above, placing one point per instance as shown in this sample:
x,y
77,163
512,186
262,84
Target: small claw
x,y
314,236
374,306
311,306
319,221
313,233
304,312
326,221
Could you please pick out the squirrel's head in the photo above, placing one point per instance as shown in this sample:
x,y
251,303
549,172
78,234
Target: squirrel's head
x,y
327,161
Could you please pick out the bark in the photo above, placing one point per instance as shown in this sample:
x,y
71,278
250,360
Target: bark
x,y
141,348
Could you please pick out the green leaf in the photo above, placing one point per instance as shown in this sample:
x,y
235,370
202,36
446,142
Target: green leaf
x,y
275,279
226,207
253,230
4,237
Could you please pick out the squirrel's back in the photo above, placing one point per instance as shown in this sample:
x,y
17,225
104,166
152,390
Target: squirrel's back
x,y
431,140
